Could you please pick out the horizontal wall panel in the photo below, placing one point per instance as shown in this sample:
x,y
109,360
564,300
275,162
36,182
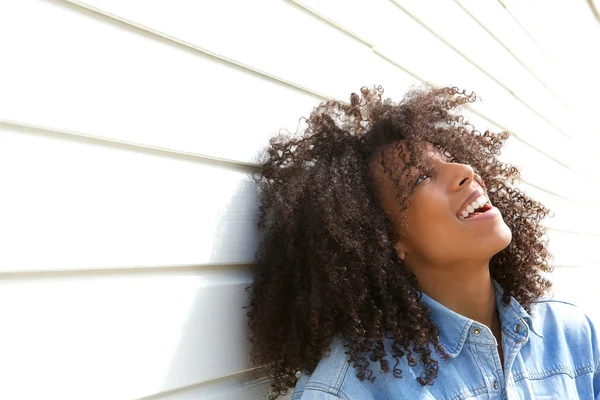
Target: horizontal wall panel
x,y
115,82
76,204
120,335
295,46
244,385
126,207
213,226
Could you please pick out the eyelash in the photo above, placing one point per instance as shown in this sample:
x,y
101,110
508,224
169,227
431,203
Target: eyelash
x,y
478,179
452,160
422,175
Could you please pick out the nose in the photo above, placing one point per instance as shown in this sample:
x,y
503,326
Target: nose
x,y
463,175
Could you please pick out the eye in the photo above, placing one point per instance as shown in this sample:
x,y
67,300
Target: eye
x,y
422,178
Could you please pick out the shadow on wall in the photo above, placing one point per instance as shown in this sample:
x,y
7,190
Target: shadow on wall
x,y
211,358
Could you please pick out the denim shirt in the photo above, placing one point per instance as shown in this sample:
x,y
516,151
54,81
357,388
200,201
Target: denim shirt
x,y
551,354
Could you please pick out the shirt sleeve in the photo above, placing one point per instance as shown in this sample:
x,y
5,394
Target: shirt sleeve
x,y
596,354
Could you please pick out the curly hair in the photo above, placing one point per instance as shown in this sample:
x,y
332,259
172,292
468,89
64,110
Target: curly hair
x,y
327,266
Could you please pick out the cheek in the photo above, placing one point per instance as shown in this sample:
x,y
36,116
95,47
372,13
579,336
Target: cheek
x,y
431,227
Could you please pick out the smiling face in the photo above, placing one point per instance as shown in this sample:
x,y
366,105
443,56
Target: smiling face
x,y
435,232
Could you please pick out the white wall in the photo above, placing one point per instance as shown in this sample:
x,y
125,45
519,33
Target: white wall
x,y
128,131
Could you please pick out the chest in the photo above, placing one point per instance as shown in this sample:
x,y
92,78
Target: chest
x,y
529,373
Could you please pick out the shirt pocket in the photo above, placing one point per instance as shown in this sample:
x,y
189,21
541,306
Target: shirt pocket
x,y
558,383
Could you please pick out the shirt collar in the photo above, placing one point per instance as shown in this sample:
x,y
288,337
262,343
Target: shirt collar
x,y
516,308
454,328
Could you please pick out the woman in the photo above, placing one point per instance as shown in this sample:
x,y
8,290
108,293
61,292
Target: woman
x,y
396,244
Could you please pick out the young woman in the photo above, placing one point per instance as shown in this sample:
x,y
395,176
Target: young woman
x,y
396,244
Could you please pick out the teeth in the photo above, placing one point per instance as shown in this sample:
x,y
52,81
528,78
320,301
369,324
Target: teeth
x,y
482,200
479,202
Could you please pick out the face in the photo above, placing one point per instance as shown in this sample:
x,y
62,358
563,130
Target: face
x,y
435,231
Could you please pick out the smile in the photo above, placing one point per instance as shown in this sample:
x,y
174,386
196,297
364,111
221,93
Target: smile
x,y
477,207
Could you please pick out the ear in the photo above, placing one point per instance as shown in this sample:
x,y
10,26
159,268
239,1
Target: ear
x,y
400,250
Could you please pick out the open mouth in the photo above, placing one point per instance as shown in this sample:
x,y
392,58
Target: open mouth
x,y
479,206
479,211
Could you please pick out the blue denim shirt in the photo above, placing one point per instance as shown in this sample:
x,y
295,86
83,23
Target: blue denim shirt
x,y
552,354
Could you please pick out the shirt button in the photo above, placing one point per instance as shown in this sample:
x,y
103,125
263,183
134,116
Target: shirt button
x,y
495,385
476,331
517,328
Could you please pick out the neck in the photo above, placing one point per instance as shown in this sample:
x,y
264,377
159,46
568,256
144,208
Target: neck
x,y
466,291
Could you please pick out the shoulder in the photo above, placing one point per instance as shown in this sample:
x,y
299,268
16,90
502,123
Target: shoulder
x,y
335,378
564,323
550,313
327,379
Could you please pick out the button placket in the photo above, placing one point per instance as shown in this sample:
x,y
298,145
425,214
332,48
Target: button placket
x,y
482,335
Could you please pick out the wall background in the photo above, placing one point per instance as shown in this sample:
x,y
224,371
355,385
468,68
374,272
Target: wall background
x,y
128,131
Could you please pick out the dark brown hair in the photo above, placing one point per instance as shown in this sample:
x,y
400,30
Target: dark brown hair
x,y
326,265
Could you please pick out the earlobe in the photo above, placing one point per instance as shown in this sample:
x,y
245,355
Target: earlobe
x,y
401,253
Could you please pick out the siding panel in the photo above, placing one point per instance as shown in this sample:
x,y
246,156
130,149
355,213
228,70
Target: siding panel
x,y
120,335
245,385
77,204
190,225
